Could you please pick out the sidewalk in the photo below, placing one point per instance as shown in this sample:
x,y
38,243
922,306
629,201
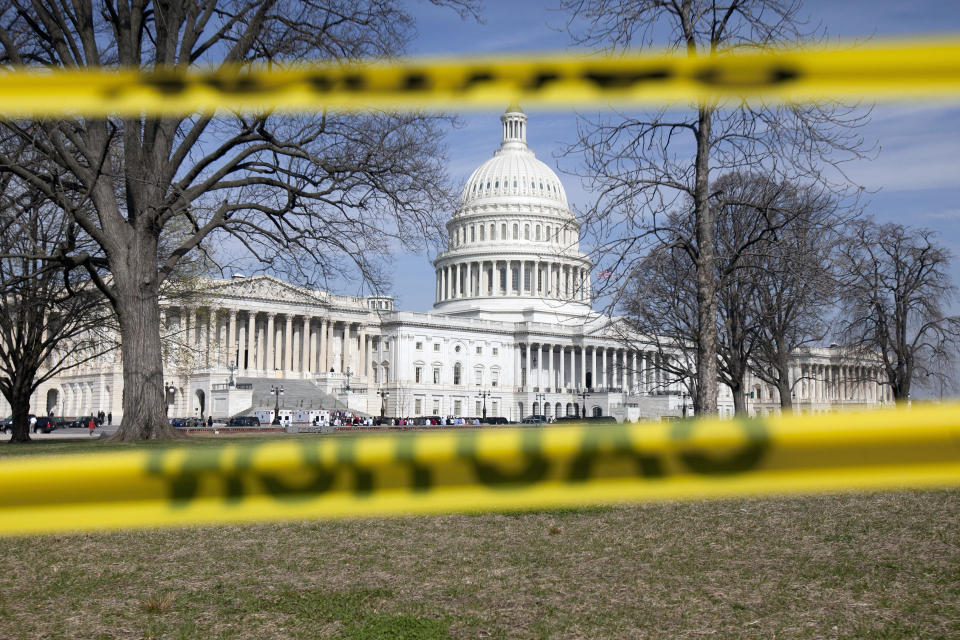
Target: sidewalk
x,y
68,434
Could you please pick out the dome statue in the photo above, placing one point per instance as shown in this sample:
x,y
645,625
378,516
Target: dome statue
x,y
513,250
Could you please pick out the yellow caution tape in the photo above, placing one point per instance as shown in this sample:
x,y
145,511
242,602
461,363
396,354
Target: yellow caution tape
x,y
882,71
432,472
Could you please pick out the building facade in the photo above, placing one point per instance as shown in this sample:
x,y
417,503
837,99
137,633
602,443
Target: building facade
x,y
512,332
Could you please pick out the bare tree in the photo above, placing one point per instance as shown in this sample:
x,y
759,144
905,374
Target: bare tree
x,y
51,319
643,166
309,195
895,286
794,283
750,212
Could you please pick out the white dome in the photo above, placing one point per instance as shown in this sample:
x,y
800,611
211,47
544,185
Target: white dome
x,y
514,173
513,252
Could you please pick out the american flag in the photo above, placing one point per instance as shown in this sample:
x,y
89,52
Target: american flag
x,y
603,275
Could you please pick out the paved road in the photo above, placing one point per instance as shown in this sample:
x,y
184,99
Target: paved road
x,y
69,434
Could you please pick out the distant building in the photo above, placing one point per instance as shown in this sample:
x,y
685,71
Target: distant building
x,y
512,331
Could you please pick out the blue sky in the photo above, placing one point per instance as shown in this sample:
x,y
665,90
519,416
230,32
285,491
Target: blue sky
x,y
914,179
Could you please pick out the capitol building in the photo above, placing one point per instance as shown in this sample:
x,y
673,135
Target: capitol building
x,y
512,332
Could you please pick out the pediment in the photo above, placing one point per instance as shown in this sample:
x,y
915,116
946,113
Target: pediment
x,y
267,289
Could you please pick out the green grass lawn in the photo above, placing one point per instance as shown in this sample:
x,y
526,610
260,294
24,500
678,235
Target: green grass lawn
x,y
849,566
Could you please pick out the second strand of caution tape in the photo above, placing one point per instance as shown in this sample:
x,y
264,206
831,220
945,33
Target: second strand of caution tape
x,y
436,472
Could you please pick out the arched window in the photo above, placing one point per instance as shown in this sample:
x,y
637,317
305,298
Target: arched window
x,y
514,183
597,412
526,232
457,371
496,185
537,233
473,233
482,229
503,231
548,233
488,184
516,231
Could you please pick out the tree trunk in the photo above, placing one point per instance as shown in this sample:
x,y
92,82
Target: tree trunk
x,y
739,401
138,309
706,270
786,392
20,407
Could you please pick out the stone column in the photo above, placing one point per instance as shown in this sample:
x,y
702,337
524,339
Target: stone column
x,y
583,367
232,340
363,351
270,344
563,373
312,342
251,361
623,369
551,379
288,344
346,341
529,374
324,345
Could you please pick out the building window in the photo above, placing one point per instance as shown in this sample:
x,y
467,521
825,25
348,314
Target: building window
x,y
478,377
457,348
548,233
376,375
494,378
496,351
418,406
477,409
537,235
526,232
436,375
482,230
503,231
457,405
436,407
418,374
516,232
479,350
496,408
436,346
457,369
473,234
419,346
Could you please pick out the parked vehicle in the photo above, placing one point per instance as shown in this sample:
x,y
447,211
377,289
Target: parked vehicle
x,y
495,420
83,422
540,419
44,425
6,425
244,421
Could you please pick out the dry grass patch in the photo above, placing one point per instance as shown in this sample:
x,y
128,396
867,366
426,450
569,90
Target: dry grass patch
x,y
857,566
158,603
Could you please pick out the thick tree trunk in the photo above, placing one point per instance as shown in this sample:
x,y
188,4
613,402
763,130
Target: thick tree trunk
x,y
706,270
20,407
786,392
138,310
739,401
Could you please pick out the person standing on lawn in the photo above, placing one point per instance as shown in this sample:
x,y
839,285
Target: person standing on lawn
x,y
92,424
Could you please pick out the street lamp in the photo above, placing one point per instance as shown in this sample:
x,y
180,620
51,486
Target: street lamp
x,y
583,394
484,394
233,368
170,390
383,402
348,373
683,399
277,391
540,398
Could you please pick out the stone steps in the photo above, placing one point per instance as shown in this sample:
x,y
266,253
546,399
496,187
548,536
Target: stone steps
x,y
297,394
